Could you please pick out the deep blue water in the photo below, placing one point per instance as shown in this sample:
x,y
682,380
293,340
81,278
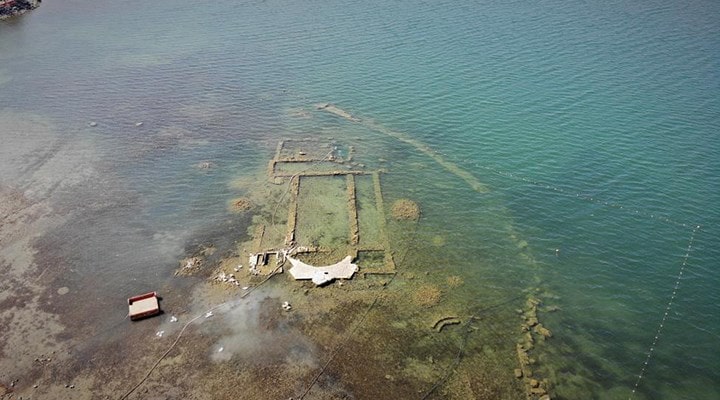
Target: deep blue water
x,y
594,127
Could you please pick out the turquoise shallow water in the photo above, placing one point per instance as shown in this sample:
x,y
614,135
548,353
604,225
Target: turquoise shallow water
x,y
594,127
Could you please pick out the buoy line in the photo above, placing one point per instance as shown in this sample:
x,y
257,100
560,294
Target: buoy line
x,y
661,325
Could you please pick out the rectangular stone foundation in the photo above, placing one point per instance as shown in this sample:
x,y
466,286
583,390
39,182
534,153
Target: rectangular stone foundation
x,y
326,216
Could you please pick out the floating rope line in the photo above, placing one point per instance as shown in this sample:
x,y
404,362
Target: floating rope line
x,y
650,352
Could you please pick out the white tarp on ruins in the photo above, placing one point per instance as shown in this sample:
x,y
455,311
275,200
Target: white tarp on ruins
x,y
345,269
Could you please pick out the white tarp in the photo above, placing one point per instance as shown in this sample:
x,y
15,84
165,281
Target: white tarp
x,y
345,269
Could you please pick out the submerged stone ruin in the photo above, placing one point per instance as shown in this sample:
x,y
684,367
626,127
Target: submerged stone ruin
x,y
326,219
325,189
321,216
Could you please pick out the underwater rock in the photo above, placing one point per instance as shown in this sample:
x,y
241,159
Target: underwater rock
x,y
189,265
454,281
522,355
405,209
518,373
541,330
438,241
227,278
538,390
529,341
241,204
427,296
445,321
532,302
331,108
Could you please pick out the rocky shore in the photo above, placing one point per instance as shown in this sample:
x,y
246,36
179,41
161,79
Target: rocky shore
x,y
11,8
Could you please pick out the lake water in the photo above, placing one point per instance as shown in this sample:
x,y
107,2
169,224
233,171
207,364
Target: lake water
x,y
592,127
